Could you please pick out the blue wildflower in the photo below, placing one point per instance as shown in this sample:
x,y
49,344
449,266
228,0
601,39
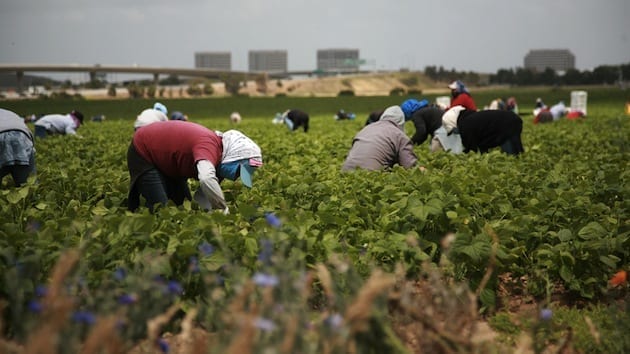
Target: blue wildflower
x,y
334,321
33,226
273,220
174,287
41,291
163,345
120,274
84,317
262,279
193,265
545,314
206,249
35,306
267,251
264,324
127,299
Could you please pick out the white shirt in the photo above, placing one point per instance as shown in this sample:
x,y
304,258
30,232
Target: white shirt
x,y
58,123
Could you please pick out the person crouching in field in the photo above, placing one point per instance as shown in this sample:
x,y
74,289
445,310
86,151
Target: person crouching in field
x,y
382,144
17,153
163,155
158,113
373,117
427,119
295,118
177,115
482,130
64,124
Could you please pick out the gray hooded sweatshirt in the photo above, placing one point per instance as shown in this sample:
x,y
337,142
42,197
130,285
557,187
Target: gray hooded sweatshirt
x,y
382,144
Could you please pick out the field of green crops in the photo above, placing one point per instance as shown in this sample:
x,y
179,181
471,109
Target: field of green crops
x,y
309,258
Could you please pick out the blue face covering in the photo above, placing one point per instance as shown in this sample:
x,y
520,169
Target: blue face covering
x,y
230,170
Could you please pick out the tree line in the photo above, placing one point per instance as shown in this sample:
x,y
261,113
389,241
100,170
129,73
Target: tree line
x,y
601,75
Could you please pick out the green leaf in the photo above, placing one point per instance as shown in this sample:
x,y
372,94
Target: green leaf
x,y
610,260
488,297
251,246
565,235
565,273
214,262
592,230
173,242
100,210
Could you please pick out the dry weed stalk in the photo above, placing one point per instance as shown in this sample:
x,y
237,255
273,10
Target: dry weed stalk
x,y
155,324
289,337
244,341
326,280
103,335
57,308
359,311
187,331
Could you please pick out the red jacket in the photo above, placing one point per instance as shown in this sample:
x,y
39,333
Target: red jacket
x,y
464,99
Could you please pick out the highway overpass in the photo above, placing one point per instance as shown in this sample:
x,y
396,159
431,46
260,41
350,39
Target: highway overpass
x,y
20,69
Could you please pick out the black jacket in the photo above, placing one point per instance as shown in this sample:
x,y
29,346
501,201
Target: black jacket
x,y
483,130
299,119
426,120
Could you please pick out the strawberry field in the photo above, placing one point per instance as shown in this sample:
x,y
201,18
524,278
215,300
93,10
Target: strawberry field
x,y
310,259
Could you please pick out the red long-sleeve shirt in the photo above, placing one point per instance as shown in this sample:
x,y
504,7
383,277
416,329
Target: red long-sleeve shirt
x,y
464,99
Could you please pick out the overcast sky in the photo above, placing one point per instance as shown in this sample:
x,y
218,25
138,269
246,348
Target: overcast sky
x,y
478,35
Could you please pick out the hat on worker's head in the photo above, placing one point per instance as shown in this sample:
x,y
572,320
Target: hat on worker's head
x,y
241,156
160,107
458,86
78,115
411,105
395,115
449,118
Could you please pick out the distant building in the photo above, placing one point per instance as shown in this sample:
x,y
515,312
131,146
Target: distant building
x,y
268,61
557,59
214,60
341,60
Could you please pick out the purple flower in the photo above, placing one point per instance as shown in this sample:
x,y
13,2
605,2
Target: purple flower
x,y
35,306
83,317
266,252
33,226
273,220
41,291
334,321
206,249
127,299
163,345
174,287
264,324
262,279
545,314
120,274
193,265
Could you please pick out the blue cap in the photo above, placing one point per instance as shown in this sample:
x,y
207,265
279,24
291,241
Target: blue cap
x,y
411,105
160,107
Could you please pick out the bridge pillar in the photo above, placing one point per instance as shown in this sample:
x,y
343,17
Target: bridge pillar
x,y
92,76
20,78
156,78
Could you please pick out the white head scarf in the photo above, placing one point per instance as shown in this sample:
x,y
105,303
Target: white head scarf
x,y
237,146
449,118
394,114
